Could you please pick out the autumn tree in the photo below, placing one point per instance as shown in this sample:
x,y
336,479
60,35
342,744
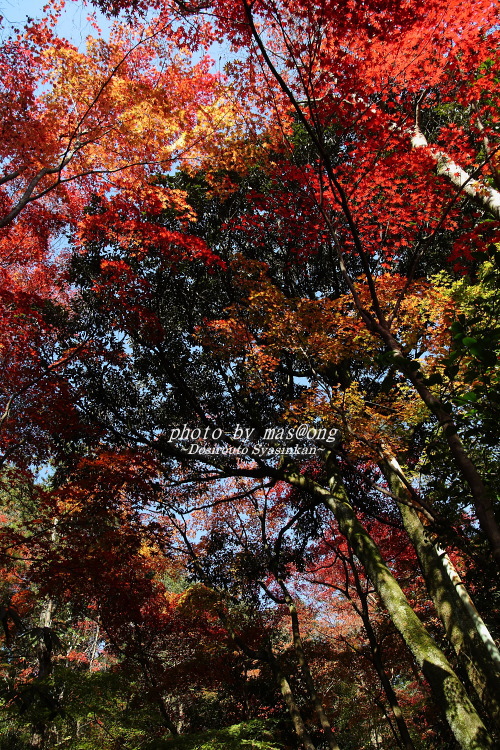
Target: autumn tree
x,y
84,127
348,77
301,283
232,376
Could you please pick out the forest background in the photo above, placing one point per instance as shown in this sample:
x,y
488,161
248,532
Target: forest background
x,y
250,393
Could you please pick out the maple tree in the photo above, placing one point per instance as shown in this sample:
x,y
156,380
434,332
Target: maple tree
x,y
82,127
192,383
295,272
393,85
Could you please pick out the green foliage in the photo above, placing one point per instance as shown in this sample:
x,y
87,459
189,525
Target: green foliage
x,y
252,735
14,739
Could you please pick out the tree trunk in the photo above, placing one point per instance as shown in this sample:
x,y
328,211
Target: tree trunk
x,y
480,192
304,666
480,493
406,741
293,709
464,627
448,691
93,648
44,645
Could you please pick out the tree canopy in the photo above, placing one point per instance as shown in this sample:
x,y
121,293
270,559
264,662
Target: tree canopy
x,y
250,383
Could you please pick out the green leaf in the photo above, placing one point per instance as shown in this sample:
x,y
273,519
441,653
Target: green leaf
x,y
469,341
467,398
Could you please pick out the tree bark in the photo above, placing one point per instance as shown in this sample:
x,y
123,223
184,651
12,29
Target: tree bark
x,y
406,741
448,691
464,627
293,709
44,645
480,494
304,666
480,192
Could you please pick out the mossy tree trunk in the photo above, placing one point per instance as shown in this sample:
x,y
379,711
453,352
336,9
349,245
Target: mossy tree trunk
x,y
448,691
464,627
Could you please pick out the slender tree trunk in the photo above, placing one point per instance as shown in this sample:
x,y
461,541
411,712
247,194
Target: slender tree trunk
x,y
480,493
293,709
448,691
167,721
44,656
44,646
394,731
156,695
464,627
93,648
406,741
45,639
304,666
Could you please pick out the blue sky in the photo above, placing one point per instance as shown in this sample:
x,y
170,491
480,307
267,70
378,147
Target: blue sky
x,y
73,25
